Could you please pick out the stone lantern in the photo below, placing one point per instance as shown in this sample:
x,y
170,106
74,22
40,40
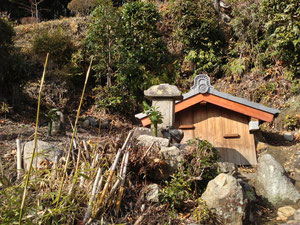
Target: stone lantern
x,y
163,97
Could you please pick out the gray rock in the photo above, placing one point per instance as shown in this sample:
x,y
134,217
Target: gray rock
x,y
297,215
273,184
147,140
225,195
142,131
249,192
94,122
227,167
288,136
152,191
47,154
173,157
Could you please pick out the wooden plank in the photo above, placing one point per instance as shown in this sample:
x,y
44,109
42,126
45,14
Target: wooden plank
x,y
184,127
231,136
186,118
200,121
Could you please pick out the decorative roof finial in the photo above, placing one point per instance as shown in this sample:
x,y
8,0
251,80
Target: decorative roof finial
x,y
202,83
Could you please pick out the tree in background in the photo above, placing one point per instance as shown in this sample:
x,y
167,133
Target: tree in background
x,y
195,24
129,52
30,6
144,54
102,41
13,67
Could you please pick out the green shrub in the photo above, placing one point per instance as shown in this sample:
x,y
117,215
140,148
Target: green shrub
x,y
177,190
195,24
13,67
199,167
143,51
102,42
56,43
292,122
115,100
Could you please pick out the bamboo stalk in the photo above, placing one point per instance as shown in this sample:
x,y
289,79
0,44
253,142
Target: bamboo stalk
x,y
86,149
92,199
82,178
121,190
35,141
99,187
75,178
19,158
73,135
114,167
148,150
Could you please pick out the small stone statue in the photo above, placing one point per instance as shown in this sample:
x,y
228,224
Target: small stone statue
x,y
172,134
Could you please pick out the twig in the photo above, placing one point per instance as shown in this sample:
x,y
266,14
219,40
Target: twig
x,y
73,135
121,190
114,167
92,199
35,141
147,150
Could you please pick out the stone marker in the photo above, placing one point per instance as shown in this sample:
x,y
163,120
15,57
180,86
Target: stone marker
x,y
163,97
273,184
48,155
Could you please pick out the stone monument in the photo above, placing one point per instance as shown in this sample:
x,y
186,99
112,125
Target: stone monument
x,y
163,97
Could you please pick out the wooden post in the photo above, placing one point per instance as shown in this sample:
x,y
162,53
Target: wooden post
x,y
19,158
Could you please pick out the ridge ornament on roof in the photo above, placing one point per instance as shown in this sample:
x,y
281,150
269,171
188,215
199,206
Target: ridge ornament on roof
x,y
202,83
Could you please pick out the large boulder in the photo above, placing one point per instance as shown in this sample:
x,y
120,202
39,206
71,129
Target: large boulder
x,y
47,155
273,183
225,195
147,140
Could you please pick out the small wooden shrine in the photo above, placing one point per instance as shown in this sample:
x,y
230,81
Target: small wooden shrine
x,y
226,121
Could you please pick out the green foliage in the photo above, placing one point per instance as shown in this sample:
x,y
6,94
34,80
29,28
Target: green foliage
x,y
196,25
282,30
199,167
154,115
143,52
56,42
4,108
13,67
177,190
267,33
6,48
204,61
201,161
115,100
202,214
102,41
292,122
265,91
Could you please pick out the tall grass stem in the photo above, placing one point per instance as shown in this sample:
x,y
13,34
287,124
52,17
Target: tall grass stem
x,y
73,135
35,142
